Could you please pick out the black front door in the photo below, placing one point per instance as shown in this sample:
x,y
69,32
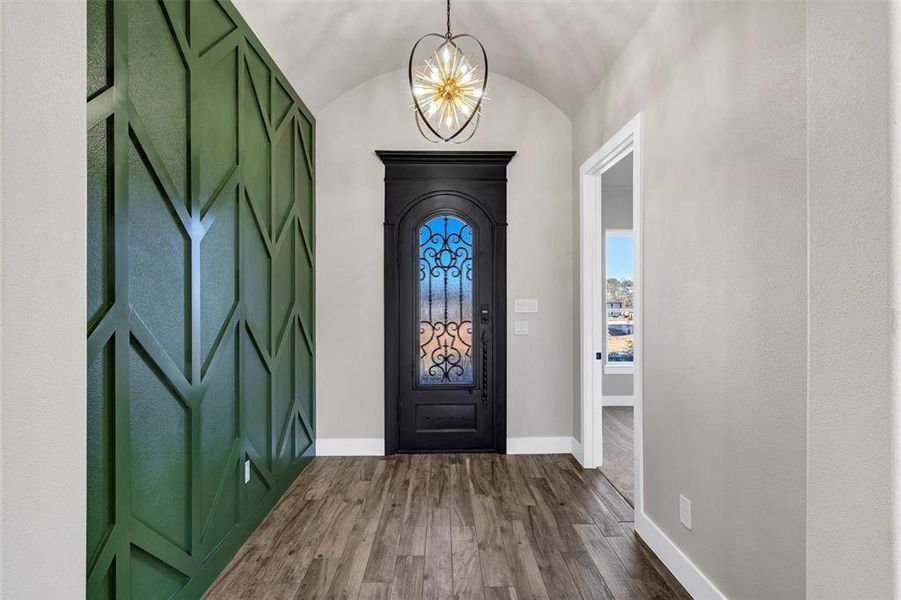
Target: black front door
x,y
445,307
447,285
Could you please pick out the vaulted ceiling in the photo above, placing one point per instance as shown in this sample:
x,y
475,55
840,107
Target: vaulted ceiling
x,y
560,48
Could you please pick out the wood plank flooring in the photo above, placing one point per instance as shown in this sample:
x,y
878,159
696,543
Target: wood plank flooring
x,y
619,463
447,526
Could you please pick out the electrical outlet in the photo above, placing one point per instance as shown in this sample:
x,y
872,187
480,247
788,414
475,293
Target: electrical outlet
x,y
247,471
685,511
521,328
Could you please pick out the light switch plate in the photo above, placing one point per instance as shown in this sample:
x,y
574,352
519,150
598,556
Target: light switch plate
x,y
685,511
521,327
246,471
525,305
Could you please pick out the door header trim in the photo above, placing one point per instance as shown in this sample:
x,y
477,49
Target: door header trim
x,y
500,157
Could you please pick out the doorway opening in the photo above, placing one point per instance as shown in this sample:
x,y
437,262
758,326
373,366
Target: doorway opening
x,y
610,214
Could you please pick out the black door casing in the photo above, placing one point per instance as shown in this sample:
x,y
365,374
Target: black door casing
x,y
451,417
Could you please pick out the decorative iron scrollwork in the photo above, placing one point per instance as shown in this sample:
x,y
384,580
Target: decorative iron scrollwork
x,y
445,301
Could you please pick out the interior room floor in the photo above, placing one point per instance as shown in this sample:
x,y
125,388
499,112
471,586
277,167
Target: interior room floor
x,y
481,526
619,450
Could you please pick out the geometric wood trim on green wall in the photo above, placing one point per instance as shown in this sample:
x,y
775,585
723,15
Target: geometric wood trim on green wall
x,y
201,254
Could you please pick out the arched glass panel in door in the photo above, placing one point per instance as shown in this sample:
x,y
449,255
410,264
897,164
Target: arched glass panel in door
x,y
445,301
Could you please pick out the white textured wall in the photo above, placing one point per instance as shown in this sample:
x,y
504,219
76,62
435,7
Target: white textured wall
x,y
349,287
895,269
851,473
42,303
721,88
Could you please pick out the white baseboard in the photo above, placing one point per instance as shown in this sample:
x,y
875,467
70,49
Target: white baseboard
x,y
539,445
518,445
618,401
350,446
689,575
577,451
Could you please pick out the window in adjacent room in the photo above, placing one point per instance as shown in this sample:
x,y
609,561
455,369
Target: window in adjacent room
x,y
619,271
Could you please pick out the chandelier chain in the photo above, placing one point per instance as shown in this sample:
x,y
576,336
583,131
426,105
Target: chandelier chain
x,y
448,19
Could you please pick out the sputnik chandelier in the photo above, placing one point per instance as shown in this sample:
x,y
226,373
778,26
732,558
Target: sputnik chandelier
x,y
447,86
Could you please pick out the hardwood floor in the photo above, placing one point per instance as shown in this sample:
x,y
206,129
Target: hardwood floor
x,y
619,450
447,526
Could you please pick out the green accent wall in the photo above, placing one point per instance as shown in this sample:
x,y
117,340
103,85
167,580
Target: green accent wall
x,y
200,292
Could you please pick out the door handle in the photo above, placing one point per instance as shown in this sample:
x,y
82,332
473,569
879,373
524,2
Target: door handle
x,y
485,366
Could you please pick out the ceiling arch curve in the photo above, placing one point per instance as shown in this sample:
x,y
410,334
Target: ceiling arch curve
x,y
561,49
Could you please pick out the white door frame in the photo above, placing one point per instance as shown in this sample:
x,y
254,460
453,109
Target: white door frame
x,y
626,140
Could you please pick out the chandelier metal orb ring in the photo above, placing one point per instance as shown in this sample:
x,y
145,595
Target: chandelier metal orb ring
x,y
448,84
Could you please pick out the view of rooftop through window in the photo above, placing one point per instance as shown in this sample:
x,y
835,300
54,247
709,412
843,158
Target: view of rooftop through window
x,y
620,275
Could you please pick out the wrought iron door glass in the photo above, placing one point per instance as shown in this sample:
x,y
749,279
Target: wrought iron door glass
x,y
445,301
